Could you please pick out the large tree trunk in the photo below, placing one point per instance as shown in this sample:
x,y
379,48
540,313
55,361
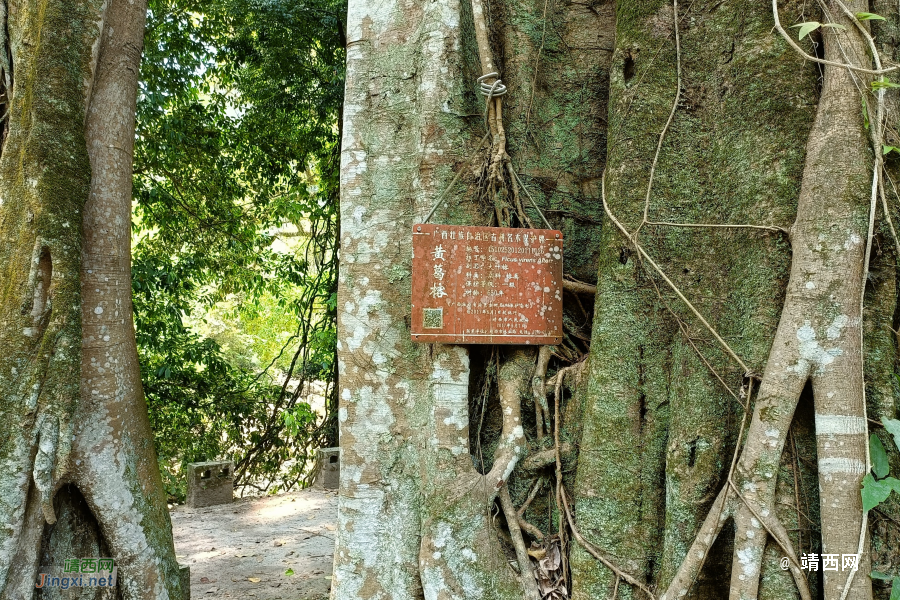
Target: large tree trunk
x,y
645,379
741,171
72,406
757,139
408,487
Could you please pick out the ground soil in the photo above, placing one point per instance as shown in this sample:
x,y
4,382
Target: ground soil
x,y
248,548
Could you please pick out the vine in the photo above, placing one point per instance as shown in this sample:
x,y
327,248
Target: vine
x,y
723,506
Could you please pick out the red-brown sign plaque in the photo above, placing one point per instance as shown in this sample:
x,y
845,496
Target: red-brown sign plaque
x,y
486,285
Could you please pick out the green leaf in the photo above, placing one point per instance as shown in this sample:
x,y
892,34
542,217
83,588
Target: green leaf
x,y
895,589
887,149
874,492
884,84
865,16
880,464
289,572
807,28
893,427
881,576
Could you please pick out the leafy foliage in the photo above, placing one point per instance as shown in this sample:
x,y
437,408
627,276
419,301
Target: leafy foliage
x,y
883,84
880,464
893,427
810,26
236,188
867,16
877,489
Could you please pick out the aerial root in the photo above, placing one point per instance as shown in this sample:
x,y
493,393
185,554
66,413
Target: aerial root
x,y
773,526
539,389
525,571
570,284
731,504
513,378
45,464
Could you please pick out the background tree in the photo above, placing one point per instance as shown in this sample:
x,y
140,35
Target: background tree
x,y
721,418
79,474
236,190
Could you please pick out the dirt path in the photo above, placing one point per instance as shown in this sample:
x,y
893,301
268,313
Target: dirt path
x,y
248,549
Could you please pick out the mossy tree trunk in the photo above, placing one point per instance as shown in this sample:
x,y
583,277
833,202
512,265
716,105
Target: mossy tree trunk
x,y
720,164
78,472
759,137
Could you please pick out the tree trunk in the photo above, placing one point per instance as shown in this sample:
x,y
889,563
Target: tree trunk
x,y
758,139
73,410
408,480
717,165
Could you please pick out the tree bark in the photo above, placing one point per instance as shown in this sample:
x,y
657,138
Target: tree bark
x,y
754,141
402,134
642,494
71,391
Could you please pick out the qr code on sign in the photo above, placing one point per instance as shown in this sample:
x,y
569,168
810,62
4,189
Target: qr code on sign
x,y
433,318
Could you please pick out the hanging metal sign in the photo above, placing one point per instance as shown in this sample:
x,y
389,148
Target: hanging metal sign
x,y
486,285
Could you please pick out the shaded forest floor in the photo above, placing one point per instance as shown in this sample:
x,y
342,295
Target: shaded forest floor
x,y
248,549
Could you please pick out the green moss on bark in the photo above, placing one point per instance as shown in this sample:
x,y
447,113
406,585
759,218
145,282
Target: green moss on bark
x,y
675,422
44,183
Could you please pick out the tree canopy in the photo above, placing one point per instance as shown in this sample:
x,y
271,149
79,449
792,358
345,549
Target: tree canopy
x,y
235,187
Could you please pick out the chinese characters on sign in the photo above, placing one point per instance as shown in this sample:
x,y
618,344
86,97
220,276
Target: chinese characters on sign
x,y
486,285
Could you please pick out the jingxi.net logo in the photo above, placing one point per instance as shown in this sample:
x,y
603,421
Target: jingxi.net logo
x,y
79,573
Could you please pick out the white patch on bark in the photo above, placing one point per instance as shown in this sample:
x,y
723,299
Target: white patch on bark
x,y
853,240
834,330
353,162
840,425
812,353
377,16
359,312
510,467
456,419
748,560
841,465
379,417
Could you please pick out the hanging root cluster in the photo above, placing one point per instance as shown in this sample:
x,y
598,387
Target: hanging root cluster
x,y
498,184
545,561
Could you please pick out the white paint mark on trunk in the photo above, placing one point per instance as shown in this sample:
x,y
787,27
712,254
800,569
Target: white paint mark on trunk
x,y
832,466
840,425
